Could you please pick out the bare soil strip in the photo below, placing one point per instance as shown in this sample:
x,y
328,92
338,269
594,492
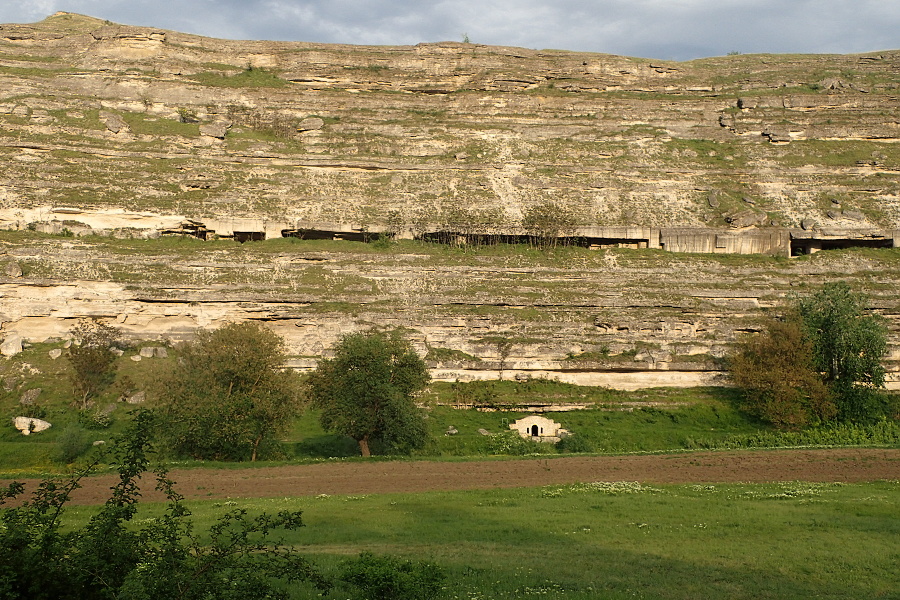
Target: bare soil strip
x,y
839,465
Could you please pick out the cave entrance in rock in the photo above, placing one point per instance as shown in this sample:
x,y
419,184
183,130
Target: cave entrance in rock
x,y
604,243
322,234
458,238
249,236
803,246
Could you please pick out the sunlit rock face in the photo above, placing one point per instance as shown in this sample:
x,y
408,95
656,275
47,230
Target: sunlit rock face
x,y
131,132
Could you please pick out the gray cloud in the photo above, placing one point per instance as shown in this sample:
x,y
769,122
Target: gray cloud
x,y
666,29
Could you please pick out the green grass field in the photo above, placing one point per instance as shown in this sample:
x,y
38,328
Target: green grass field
x,y
615,541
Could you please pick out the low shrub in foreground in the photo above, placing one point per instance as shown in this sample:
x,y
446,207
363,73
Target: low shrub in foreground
x,y
112,556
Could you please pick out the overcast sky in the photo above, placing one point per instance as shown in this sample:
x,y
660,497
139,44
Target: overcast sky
x,y
664,29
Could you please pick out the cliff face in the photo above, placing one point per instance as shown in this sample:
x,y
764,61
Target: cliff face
x,y
116,117
132,131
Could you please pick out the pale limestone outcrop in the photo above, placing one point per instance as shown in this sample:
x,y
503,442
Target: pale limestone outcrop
x,y
12,345
625,141
13,269
115,123
217,129
137,398
29,397
29,425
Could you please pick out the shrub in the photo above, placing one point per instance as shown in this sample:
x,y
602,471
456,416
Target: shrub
x,y
94,419
72,443
513,444
574,444
35,411
392,578
114,557
187,115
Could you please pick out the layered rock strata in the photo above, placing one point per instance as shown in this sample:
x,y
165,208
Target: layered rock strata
x,y
138,132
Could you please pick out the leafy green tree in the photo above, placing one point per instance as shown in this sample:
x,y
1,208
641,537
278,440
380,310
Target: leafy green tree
x,y
367,391
93,362
821,363
228,395
115,557
848,345
775,371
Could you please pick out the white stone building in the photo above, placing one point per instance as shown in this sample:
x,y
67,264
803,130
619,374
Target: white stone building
x,y
539,428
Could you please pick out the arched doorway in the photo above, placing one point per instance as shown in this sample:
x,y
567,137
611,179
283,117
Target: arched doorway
x,y
534,431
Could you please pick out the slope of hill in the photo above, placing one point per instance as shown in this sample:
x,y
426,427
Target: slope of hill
x,y
135,131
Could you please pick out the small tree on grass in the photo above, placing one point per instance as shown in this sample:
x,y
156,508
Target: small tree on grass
x,y
93,362
775,371
367,391
847,348
228,394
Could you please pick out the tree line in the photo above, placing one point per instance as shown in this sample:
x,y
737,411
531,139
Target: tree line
x,y
545,225
227,395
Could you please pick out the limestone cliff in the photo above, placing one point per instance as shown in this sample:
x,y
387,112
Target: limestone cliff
x,y
132,118
135,131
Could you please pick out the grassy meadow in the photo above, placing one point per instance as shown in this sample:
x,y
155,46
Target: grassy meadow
x,y
613,540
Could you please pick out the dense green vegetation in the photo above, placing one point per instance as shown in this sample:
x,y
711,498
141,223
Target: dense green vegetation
x,y
366,391
112,556
821,363
227,396
584,540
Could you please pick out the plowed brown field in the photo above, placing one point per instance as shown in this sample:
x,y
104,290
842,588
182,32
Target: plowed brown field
x,y
378,477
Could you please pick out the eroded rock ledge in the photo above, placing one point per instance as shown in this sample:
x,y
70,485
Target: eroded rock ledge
x,y
736,240
616,317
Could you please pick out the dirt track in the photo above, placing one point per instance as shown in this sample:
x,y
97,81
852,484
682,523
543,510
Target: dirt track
x,y
845,465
